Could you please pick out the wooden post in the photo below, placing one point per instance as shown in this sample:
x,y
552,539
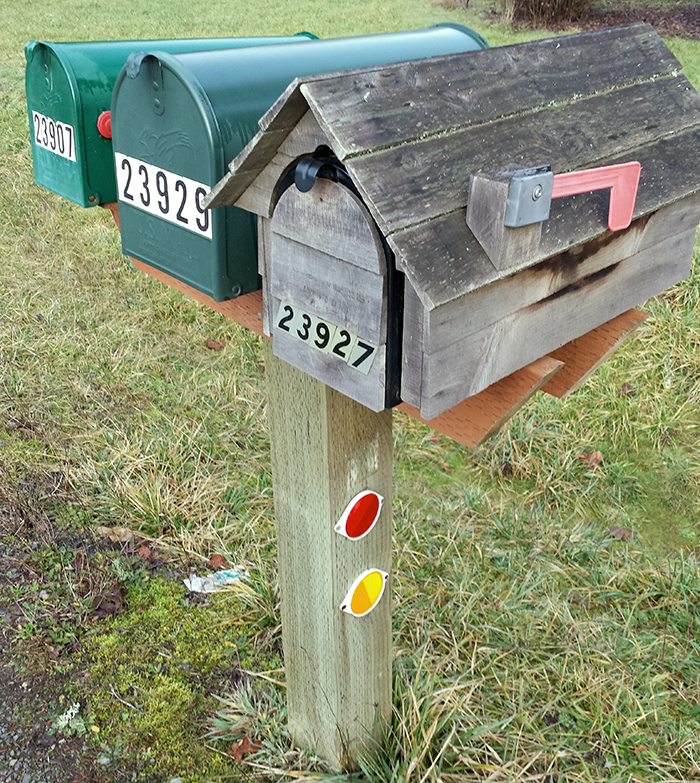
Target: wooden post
x,y
325,449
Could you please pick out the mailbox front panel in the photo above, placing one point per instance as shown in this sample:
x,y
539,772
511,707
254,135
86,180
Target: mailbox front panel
x,y
68,86
328,290
56,130
168,153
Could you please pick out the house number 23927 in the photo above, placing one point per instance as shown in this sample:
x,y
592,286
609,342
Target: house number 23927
x,y
326,337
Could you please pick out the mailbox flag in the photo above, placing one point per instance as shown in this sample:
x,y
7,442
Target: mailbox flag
x,y
365,592
360,516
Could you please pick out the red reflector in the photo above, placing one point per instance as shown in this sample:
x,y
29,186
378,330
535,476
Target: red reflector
x,y
361,515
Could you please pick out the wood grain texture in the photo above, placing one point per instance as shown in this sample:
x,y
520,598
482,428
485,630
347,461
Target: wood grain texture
x,y
368,390
383,106
332,219
325,449
275,126
583,356
329,288
265,272
259,196
444,260
486,211
477,418
463,316
304,138
414,182
414,316
465,368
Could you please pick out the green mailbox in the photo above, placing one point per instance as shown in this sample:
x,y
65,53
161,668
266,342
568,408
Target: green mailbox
x,y
69,86
178,120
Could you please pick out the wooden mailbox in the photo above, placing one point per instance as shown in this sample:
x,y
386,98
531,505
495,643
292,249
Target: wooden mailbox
x,y
372,186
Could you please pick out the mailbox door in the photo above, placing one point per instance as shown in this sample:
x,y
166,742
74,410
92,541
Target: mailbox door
x,y
328,286
68,86
55,117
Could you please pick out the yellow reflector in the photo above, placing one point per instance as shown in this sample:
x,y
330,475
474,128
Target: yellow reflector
x,y
365,592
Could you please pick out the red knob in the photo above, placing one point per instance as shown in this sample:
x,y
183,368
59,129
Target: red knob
x,y
104,124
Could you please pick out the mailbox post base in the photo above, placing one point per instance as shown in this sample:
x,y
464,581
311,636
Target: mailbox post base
x,y
326,448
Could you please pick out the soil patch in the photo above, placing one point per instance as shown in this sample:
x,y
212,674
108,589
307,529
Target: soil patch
x,y
52,588
674,19
680,20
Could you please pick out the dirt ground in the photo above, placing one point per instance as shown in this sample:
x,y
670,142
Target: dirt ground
x,y
50,588
682,20
678,18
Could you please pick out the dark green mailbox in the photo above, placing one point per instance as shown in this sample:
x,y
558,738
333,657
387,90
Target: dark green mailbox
x,y
69,86
178,120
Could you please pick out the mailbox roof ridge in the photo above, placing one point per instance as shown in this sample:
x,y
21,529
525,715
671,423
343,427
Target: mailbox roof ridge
x,y
412,133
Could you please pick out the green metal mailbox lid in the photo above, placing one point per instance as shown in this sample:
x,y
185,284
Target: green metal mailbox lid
x,y
177,120
68,86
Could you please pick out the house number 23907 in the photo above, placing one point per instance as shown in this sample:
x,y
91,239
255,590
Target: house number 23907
x,y
326,337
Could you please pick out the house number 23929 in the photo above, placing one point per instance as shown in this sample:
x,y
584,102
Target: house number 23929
x,y
335,341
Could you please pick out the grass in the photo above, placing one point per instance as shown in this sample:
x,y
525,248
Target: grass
x,y
529,643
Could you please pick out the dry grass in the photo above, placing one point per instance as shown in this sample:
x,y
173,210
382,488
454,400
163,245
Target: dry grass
x,y
529,644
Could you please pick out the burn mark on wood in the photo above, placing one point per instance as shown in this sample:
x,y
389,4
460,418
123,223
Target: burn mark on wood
x,y
589,280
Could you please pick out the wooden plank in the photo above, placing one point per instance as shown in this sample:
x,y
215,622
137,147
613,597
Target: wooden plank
x,y
113,208
479,417
466,367
444,260
425,179
259,196
329,288
414,316
458,319
486,211
265,271
378,107
332,219
246,310
368,390
583,356
275,126
325,449
304,138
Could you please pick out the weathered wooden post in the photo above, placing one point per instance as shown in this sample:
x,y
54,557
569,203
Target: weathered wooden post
x,y
395,273
327,448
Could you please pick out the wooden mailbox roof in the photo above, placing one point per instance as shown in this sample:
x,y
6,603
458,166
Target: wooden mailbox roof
x,y
411,134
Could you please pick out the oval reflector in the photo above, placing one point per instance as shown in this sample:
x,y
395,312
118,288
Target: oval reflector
x,y
365,592
360,515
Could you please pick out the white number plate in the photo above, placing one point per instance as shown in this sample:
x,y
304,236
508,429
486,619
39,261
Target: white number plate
x,y
326,337
54,136
163,193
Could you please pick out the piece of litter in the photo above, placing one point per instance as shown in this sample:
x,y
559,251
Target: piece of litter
x,y
210,583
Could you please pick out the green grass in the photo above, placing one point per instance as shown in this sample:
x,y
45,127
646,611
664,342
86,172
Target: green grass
x,y
529,644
